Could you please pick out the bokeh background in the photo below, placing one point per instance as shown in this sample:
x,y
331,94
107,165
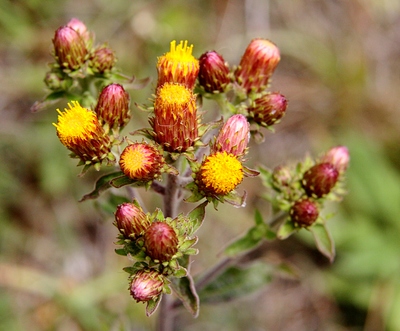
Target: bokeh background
x,y
340,71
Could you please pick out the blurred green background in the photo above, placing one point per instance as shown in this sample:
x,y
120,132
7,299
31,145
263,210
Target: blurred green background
x,y
340,71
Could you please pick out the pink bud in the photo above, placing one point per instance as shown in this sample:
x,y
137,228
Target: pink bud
x,y
69,48
338,156
320,179
81,28
146,285
130,220
233,136
102,60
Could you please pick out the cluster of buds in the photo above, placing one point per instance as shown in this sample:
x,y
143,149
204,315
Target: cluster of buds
x,y
156,242
303,189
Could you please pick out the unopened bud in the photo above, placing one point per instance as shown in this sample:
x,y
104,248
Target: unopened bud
x,y
233,136
113,106
161,241
281,176
69,48
304,212
257,65
268,109
213,73
338,156
320,179
146,285
102,60
81,28
130,220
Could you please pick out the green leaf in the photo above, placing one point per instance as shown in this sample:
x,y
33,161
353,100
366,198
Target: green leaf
x,y
152,305
258,218
102,184
196,216
236,282
121,251
286,230
186,292
323,240
251,239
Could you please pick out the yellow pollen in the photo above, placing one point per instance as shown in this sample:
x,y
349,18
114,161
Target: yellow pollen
x,y
174,94
221,173
75,124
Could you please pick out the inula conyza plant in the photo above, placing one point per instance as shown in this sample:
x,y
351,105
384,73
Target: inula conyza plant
x,y
184,159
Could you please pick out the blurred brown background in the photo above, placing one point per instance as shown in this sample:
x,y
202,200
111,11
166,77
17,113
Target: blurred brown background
x,y
340,71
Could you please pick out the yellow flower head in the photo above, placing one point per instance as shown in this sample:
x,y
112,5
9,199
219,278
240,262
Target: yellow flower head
x,y
219,174
175,117
178,65
80,131
141,161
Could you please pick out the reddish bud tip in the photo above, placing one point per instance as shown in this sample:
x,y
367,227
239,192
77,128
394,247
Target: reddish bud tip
x,y
113,106
161,241
304,212
320,179
268,109
213,73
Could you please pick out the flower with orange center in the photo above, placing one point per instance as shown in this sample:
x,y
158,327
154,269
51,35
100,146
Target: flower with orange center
x,y
219,174
258,63
141,161
178,65
80,131
175,117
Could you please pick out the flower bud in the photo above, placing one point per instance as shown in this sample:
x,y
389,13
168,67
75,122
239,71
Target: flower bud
x,y
233,136
102,60
69,47
161,241
178,66
130,220
141,161
304,212
320,179
146,284
281,176
53,81
175,117
213,73
338,156
268,109
83,31
113,106
257,65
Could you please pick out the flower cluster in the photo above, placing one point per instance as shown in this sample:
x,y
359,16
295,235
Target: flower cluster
x,y
177,156
301,189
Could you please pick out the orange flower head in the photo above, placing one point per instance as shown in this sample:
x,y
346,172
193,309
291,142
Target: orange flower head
x,y
178,65
80,131
175,117
141,161
258,63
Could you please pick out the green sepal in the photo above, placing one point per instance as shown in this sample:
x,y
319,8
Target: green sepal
x,y
152,305
196,217
236,282
323,240
286,229
180,272
250,240
185,290
121,251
